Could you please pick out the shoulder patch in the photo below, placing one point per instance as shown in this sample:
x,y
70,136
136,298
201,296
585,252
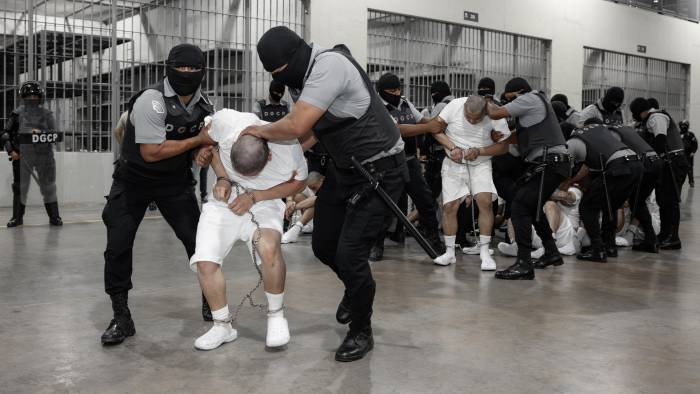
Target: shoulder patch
x,y
157,106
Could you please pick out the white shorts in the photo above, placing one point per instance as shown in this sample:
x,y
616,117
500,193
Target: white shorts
x,y
456,184
219,228
566,233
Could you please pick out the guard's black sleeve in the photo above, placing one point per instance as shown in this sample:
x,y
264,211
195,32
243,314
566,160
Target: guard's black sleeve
x,y
693,142
660,143
8,136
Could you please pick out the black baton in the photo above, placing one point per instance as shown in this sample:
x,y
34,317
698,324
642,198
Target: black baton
x,y
395,209
539,193
605,187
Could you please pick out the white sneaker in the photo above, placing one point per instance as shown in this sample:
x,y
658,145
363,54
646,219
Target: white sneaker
x,y
474,250
622,242
536,254
446,259
309,228
512,250
217,335
277,332
292,235
568,249
487,262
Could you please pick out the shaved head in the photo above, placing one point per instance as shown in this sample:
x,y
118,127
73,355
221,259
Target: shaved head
x,y
475,109
249,155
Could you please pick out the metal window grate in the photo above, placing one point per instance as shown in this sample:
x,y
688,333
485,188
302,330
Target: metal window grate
x,y
92,55
638,76
684,9
421,51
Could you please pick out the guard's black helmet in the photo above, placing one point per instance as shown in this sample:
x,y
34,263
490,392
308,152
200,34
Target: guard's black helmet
x,y
31,88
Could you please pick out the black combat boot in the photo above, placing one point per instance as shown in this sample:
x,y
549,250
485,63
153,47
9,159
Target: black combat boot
x,y
206,310
52,211
672,242
377,252
436,242
650,244
342,315
355,345
596,254
17,213
121,325
547,259
520,270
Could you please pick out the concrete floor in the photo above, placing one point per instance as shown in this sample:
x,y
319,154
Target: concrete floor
x,y
630,326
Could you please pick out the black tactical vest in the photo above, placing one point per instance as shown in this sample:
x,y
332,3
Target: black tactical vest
x,y
674,141
546,133
29,119
610,118
179,125
272,112
373,133
404,115
598,142
632,139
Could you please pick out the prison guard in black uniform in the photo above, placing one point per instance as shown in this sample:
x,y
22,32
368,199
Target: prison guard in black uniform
x,y
532,141
690,144
652,169
615,171
31,133
168,183
416,188
669,146
349,213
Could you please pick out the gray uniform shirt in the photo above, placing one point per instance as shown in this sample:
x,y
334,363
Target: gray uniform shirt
x,y
334,85
657,123
529,110
148,114
441,105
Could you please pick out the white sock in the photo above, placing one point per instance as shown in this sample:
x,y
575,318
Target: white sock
x,y
220,314
274,304
484,243
450,244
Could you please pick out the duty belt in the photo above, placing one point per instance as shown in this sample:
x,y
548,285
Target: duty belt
x,y
622,159
386,163
673,154
649,157
553,158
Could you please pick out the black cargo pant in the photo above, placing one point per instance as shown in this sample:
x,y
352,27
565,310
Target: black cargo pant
x,y
641,192
420,194
524,210
668,193
621,178
343,235
126,205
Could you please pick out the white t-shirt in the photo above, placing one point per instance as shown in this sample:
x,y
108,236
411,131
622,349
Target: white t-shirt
x,y
287,156
467,135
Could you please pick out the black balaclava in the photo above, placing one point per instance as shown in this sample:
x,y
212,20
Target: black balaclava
x,y
276,90
613,99
560,98
280,46
185,55
560,110
486,87
637,106
654,103
517,85
439,90
389,81
684,125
